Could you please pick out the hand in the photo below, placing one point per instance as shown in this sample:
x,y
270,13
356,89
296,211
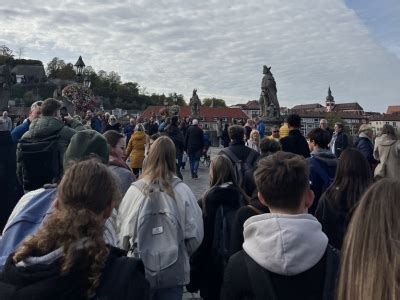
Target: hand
x,y
68,119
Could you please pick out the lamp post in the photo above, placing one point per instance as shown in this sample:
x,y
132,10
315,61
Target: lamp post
x,y
80,65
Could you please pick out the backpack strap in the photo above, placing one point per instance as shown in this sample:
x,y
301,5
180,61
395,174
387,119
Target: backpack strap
x,y
260,280
331,272
230,154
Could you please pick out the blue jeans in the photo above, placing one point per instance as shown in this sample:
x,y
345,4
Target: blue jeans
x,y
194,160
172,293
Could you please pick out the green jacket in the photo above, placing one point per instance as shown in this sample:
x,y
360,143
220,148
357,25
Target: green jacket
x,y
45,127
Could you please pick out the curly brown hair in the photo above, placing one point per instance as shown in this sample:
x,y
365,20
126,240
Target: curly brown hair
x,y
76,225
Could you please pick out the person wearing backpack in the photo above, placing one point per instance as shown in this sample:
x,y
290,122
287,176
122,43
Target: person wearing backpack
x,y
34,207
242,157
68,257
160,221
285,253
41,149
322,164
219,205
336,205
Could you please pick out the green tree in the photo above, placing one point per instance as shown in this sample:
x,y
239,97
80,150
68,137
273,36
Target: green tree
x,y
214,101
54,66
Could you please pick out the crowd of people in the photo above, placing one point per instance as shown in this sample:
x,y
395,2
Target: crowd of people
x,y
96,210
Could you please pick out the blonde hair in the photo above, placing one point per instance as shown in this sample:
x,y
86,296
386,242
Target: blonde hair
x,y
370,264
160,166
76,226
251,136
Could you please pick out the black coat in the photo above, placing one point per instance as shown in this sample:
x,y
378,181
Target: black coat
x,y
225,140
242,215
176,136
122,278
334,221
295,143
242,152
206,273
366,147
341,143
317,282
194,141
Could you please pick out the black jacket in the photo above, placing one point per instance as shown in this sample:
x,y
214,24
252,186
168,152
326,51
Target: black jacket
x,y
317,282
334,221
122,278
341,143
295,143
206,273
176,136
194,141
242,152
242,215
225,140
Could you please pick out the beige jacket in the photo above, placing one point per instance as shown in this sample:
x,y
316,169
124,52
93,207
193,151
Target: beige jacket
x,y
387,151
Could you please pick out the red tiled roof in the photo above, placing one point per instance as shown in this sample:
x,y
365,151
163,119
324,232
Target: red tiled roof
x,y
325,115
208,113
307,106
393,109
386,117
252,104
347,106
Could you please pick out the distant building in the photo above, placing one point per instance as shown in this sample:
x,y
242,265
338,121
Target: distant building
x,y
30,73
251,108
208,115
377,122
393,109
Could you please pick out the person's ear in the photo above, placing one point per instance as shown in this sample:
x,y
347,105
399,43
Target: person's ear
x,y
108,210
309,198
261,198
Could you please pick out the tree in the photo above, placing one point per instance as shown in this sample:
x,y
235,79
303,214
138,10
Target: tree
x,y
21,52
214,101
66,72
54,66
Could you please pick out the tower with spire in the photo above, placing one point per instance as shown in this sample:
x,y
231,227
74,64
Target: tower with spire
x,y
330,101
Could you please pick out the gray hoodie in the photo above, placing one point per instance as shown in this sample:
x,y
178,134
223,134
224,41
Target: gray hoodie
x,y
284,244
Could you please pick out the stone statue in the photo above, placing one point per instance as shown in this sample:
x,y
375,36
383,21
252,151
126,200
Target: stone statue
x,y
57,94
195,104
269,104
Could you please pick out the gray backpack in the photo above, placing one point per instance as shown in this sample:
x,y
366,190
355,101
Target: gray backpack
x,y
160,238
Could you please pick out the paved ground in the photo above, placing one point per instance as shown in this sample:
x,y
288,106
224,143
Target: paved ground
x,y
199,187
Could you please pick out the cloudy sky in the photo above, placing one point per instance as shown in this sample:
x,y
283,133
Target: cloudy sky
x,y
219,47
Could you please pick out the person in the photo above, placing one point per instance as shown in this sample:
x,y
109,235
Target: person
x,y
34,113
336,205
69,249
285,251
365,145
219,131
261,127
117,164
5,122
152,127
225,140
275,134
173,132
269,147
243,158
322,163
323,124
295,141
129,129
387,152
93,121
113,124
194,144
223,194
159,176
339,141
48,125
284,130
254,140
33,207
136,149
248,127
370,253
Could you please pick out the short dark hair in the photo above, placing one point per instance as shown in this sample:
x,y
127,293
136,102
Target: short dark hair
x,y
174,120
50,106
277,172
339,125
320,137
388,129
236,132
112,137
269,146
294,120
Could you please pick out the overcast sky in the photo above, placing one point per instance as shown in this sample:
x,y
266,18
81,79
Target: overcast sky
x,y
220,47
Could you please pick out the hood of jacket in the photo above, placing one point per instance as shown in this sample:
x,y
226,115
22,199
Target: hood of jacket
x,y
325,156
284,244
45,126
138,136
385,140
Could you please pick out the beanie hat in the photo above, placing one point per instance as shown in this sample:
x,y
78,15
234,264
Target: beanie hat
x,y
86,144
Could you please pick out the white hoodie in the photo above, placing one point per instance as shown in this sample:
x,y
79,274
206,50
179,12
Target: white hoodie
x,y
284,244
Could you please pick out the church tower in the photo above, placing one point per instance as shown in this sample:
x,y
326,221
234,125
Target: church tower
x,y
330,101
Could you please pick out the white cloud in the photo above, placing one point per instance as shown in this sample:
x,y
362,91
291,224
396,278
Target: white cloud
x,y
218,47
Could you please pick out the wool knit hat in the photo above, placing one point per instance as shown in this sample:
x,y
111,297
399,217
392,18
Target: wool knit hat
x,y
86,144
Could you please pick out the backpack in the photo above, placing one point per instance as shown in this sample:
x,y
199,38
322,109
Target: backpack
x,y
261,283
27,222
160,237
241,167
41,161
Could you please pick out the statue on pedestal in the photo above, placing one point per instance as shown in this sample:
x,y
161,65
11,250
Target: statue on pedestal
x,y
195,104
269,105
